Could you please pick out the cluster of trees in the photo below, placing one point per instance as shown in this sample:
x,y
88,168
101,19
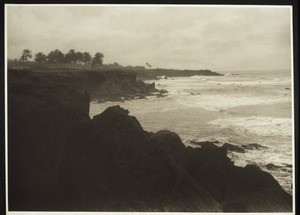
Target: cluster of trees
x,y
71,59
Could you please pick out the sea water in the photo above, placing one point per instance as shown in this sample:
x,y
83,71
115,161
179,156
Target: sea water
x,y
238,108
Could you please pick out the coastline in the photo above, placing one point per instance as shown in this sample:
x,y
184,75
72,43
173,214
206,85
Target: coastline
x,y
266,121
114,155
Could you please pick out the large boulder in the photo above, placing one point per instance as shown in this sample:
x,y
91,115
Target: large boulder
x,y
238,189
116,167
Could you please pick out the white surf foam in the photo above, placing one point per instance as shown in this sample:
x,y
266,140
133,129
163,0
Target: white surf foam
x,y
223,102
264,126
200,78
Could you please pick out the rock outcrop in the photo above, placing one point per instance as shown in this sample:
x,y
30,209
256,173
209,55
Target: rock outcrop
x,y
122,167
101,86
233,148
116,167
39,117
60,159
253,146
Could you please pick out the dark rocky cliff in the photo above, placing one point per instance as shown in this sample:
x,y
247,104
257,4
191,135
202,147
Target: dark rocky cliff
x,y
60,159
39,117
116,167
100,85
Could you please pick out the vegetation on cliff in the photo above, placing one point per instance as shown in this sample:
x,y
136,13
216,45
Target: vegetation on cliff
x,y
83,61
57,59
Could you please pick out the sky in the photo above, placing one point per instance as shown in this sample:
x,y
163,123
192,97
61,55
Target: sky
x,y
223,38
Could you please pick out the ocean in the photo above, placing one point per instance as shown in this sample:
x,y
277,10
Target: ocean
x,y
237,108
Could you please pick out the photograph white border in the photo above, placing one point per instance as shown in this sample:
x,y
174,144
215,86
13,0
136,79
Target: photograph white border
x,y
140,5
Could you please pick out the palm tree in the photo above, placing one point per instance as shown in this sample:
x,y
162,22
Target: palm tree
x,y
26,54
98,59
87,58
56,57
79,57
70,57
147,64
40,57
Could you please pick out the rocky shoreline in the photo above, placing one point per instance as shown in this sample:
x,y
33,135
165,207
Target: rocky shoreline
x,y
61,160
154,74
102,86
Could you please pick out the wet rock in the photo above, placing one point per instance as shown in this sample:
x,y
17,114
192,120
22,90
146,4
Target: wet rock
x,y
208,143
193,94
233,148
160,95
271,166
140,97
151,87
288,165
162,91
253,146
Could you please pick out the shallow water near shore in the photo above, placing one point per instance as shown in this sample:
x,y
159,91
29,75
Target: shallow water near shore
x,y
241,108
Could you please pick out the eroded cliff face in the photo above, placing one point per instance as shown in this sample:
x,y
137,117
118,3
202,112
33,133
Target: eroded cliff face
x,y
39,118
101,86
60,159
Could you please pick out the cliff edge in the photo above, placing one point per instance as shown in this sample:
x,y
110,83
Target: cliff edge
x,y
59,159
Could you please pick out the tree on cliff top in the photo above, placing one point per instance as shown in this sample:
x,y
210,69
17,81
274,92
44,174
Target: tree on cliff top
x,y
26,55
79,57
56,56
86,58
70,57
98,59
40,57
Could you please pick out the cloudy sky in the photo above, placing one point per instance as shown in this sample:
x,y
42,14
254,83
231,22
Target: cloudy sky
x,y
216,38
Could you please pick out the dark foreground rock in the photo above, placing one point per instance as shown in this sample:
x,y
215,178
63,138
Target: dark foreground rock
x,y
39,119
60,159
116,167
122,167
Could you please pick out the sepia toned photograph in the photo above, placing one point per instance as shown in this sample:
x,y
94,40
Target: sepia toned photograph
x,y
149,108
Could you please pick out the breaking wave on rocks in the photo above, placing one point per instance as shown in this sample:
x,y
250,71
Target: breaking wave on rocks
x,y
264,126
223,102
237,108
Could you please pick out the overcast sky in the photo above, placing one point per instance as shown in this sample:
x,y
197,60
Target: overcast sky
x,y
216,38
